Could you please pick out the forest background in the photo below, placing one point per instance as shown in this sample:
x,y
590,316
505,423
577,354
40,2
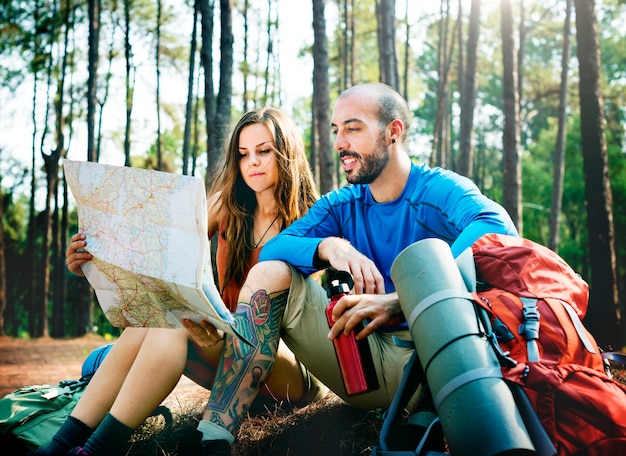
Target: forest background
x,y
527,98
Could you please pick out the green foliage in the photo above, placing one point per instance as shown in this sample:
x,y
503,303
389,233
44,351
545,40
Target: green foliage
x,y
171,144
30,37
365,45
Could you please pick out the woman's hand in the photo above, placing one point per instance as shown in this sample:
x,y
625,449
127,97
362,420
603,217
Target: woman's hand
x,y
75,255
204,335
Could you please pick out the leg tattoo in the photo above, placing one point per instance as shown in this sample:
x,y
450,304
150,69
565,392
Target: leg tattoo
x,y
243,368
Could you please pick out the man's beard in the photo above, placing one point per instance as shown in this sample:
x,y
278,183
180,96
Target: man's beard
x,y
370,165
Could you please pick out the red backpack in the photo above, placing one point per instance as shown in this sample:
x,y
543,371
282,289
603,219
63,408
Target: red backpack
x,y
535,302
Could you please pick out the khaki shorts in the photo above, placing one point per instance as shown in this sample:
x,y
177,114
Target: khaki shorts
x,y
305,330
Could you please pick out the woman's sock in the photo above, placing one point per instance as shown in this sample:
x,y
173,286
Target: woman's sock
x,y
110,437
212,431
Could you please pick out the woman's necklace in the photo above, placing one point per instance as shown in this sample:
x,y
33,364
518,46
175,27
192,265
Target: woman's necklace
x,y
266,231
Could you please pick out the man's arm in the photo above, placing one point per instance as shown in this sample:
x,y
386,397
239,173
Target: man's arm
x,y
297,244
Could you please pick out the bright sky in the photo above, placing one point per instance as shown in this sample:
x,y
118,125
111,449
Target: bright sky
x,y
295,33
16,122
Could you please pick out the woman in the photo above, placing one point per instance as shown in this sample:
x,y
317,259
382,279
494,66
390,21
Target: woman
x,y
264,185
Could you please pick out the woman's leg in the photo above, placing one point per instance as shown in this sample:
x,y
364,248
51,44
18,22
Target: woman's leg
x,y
156,369
106,383
288,382
154,373
99,395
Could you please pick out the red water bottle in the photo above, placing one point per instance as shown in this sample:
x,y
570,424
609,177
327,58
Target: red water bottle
x,y
354,357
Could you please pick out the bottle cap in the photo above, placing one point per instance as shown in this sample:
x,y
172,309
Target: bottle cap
x,y
341,282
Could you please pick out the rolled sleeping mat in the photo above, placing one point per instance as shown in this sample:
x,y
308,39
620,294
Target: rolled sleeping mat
x,y
475,406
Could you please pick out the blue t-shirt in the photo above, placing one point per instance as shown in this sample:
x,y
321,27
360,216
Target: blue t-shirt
x,y
435,203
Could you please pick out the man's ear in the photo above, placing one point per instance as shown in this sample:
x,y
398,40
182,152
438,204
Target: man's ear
x,y
394,130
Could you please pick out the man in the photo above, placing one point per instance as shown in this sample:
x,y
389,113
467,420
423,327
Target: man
x,y
360,229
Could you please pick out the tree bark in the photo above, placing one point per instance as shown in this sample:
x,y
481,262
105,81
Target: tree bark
x,y
468,94
157,65
190,90
92,81
129,81
512,170
407,47
321,98
388,61
224,96
559,152
3,283
207,8
245,68
604,317
438,156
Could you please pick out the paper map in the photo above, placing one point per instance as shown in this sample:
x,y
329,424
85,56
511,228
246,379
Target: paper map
x,y
147,232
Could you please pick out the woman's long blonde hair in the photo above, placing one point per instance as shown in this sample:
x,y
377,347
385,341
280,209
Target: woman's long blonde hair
x,y
295,191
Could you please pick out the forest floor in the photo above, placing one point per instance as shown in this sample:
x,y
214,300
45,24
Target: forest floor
x,y
328,426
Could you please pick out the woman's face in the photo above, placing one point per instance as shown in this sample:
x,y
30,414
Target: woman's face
x,y
257,159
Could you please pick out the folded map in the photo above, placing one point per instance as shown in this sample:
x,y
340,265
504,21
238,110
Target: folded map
x,y
147,232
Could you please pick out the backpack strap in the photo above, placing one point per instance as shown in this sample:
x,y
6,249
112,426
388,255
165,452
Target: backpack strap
x,y
541,440
530,328
413,375
578,326
463,379
435,298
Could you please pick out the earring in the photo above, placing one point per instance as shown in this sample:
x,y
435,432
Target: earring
x,y
393,141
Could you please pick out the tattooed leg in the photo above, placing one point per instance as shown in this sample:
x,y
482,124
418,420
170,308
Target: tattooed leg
x,y
244,368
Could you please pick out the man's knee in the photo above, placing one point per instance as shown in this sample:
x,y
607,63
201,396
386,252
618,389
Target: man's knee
x,y
270,275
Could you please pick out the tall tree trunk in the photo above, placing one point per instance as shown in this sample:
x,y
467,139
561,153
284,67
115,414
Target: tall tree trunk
x,y
224,96
56,329
129,81
51,163
321,98
3,282
269,31
446,44
107,86
92,81
559,151
196,129
245,68
388,61
604,317
218,112
521,51
352,46
31,294
190,89
157,65
468,94
60,263
344,49
407,47
207,8
512,169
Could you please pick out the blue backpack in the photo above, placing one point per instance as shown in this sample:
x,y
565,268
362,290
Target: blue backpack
x,y
30,416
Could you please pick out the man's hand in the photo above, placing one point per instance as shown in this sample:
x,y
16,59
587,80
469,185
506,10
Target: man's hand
x,y
75,255
344,257
204,335
379,309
